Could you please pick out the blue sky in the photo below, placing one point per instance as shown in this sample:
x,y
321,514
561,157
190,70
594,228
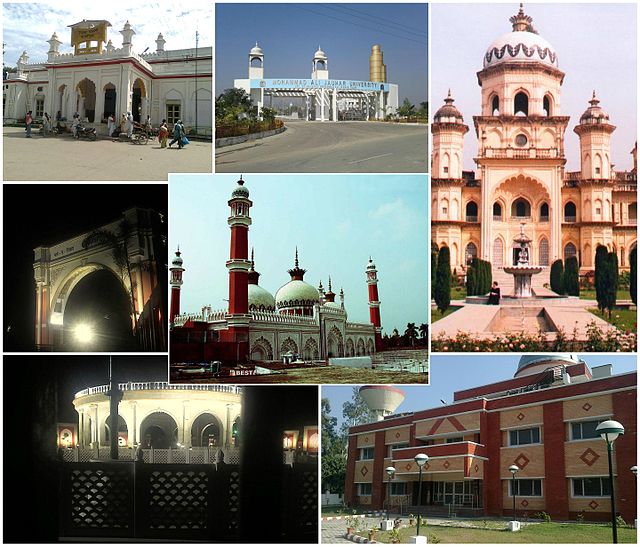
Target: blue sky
x,y
451,373
289,34
29,26
596,46
336,222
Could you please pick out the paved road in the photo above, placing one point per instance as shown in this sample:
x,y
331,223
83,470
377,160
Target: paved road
x,y
63,158
331,147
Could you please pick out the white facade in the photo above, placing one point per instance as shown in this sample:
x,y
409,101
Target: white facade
x,y
163,84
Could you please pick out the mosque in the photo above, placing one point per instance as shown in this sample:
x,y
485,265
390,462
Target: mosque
x,y
301,321
543,421
98,79
520,174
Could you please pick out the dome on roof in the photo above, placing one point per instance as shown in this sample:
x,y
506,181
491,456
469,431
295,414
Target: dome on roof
x,y
448,113
371,265
240,191
523,43
319,54
595,113
296,293
531,364
177,260
260,299
256,50
332,305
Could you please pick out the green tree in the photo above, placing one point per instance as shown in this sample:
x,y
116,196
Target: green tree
x,y
334,455
423,111
557,277
234,104
411,333
472,280
442,290
610,282
406,109
599,276
434,264
268,114
424,333
633,282
570,279
356,411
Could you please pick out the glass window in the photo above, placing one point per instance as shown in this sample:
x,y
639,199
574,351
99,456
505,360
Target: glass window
x,y
395,446
454,440
366,453
526,487
398,488
39,107
364,489
524,436
173,113
591,487
584,430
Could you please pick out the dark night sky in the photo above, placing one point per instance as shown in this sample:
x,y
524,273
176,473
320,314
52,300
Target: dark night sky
x,y
44,214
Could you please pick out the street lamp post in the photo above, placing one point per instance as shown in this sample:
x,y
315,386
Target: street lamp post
x,y
513,470
609,430
390,472
421,460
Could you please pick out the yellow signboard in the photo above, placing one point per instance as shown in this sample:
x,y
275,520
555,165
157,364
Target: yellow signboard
x,y
86,32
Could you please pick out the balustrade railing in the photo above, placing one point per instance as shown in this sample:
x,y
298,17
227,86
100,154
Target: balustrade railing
x,y
146,386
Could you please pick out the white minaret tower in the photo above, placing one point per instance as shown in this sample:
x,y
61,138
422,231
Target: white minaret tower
x,y
320,66
594,131
448,131
54,47
256,63
127,34
160,42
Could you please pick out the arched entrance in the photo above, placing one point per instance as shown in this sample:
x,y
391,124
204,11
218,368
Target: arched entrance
x,y
86,99
206,430
158,430
261,350
110,97
61,103
335,343
123,431
96,315
138,100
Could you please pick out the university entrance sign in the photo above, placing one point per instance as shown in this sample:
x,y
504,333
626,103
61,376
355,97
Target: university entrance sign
x,y
297,83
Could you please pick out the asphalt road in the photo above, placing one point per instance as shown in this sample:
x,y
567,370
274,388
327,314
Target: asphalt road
x,y
63,158
331,147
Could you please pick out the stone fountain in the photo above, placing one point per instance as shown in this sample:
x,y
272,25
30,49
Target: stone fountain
x,y
522,271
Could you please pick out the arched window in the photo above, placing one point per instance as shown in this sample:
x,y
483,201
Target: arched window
x,y
543,257
569,250
521,104
544,212
495,106
471,252
569,211
498,252
546,105
497,211
471,212
256,62
521,208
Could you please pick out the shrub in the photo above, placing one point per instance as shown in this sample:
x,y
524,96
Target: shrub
x,y
556,277
610,282
600,263
442,289
570,278
434,265
633,281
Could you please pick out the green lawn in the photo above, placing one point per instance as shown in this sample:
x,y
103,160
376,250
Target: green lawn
x,y
336,511
623,319
590,294
436,315
458,293
534,533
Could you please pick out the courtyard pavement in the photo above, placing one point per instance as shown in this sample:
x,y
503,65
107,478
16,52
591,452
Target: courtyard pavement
x,y
331,147
63,158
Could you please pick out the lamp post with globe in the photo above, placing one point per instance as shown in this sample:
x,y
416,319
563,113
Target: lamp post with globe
x,y
610,430
421,460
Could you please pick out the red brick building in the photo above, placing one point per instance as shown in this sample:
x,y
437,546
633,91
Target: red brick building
x,y
543,420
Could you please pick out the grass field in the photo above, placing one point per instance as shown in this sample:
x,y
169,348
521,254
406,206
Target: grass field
x,y
590,294
436,315
623,319
534,533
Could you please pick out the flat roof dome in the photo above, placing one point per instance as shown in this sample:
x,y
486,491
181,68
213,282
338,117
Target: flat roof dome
x,y
319,54
523,43
256,50
297,293
530,364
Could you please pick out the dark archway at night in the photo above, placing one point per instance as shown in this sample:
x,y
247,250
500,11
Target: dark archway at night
x,y
99,304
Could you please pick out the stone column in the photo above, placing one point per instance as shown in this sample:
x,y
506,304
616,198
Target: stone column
x,y
334,105
227,437
134,412
99,106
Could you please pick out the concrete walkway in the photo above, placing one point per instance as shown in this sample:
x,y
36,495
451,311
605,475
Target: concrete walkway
x,y
64,158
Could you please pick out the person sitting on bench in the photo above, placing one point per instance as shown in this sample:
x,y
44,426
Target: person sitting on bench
x,y
494,295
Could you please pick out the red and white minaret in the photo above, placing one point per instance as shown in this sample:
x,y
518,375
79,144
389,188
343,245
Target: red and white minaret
x,y
374,303
238,266
176,285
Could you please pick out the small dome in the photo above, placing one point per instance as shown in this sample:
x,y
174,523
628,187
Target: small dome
x,y
522,44
260,299
177,261
332,305
297,293
448,113
595,113
319,54
531,364
371,265
240,191
256,50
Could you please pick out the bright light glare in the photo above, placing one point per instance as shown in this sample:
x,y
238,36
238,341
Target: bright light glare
x,y
83,333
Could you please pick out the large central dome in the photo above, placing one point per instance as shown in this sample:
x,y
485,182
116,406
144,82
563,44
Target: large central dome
x,y
297,293
522,44
532,364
